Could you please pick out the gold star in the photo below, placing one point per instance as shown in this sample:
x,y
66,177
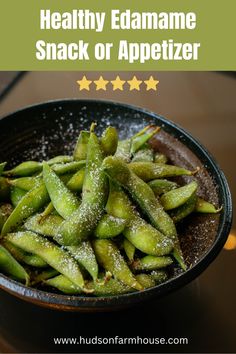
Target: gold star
x,y
101,84
134,84
84,84
151,84
118,84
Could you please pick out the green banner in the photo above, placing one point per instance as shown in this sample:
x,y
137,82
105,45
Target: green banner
x,y
118,35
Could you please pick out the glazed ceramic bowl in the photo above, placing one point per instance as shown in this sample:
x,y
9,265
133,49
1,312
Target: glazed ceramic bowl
x,y
49,129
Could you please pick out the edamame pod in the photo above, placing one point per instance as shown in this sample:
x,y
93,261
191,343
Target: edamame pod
x,y
25,183
62,199
109,141
149,170
55,256
160,158
37,277
33,200
141,234
146,238
145,280
70,167
159,276
80,151
75,184
60,159
129,249
27,168
84,254
109,226
16,195
142,194
123,150
109,258
84,220
145,154
160,186
139,139
177,197
184,210
21,256
202,206
10,266
111,287
151,263
47,226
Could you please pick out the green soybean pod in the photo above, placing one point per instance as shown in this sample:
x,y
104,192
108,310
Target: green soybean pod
x,y
10,266
39,277
16,195
80,151
27,168
84,220
146,238
177,197
129,249
47,226
151,263
55,256
70,167
139,139
85,256
33,201
25,183
24,257
123,150
145,280
145,154
149,170
110,259
159,276
75,183
109,141
160,158
62,199
202,206
109,226
184,210
160,186
142,194
60,159
63,284
141,234
111,287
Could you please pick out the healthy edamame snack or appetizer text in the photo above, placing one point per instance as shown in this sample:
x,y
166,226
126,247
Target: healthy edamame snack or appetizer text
x,y
100,222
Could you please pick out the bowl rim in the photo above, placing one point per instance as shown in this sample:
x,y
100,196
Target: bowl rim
x,y
75,302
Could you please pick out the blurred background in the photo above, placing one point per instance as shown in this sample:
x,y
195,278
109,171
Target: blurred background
x,y
204,103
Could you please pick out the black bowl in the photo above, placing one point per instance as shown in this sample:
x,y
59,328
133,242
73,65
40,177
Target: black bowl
x,y
43,130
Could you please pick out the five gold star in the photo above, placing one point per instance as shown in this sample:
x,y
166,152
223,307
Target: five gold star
x,y
101,84
134,84
151,84
118,84
84,83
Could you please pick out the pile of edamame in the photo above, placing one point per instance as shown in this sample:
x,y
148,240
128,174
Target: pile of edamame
x,y
101,222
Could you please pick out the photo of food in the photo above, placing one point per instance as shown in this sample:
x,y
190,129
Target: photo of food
x,y
115,198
